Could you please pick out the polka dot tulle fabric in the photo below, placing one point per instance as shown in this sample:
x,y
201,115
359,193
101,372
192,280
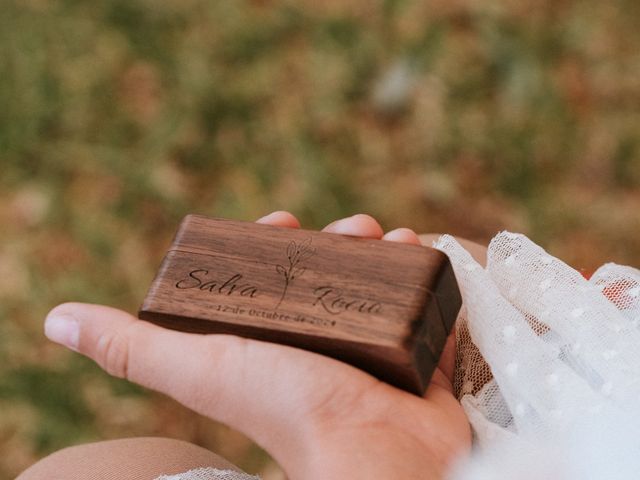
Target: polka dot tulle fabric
x,y
547,366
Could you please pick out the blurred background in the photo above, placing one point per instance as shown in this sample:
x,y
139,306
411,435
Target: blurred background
x,y
118,117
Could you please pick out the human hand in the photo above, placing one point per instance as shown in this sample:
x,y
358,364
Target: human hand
x,y
318,417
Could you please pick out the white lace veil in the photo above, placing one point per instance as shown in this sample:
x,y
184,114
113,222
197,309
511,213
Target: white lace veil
x,y
548,366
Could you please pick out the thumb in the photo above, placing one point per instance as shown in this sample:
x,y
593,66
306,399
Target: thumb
x,y
261,389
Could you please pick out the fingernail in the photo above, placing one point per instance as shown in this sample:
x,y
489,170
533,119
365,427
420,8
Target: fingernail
x,y
265,217
63,329
271,216
340,221
344,225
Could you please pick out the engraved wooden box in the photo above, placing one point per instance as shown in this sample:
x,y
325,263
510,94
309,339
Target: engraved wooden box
x,y
382,306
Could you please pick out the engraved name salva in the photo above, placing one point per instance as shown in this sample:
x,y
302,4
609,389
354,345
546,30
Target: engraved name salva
x,y
233,285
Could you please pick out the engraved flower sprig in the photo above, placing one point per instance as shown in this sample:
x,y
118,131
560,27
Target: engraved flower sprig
x,y
296,254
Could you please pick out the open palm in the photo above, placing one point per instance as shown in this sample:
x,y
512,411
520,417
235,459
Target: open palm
x,y
318,417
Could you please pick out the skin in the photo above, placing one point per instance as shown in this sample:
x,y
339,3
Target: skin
x,y
318,417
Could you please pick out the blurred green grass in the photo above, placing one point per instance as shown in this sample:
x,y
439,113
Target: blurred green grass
x,y
119,117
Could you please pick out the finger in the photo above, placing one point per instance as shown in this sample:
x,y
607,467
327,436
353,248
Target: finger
x,y
265,390
360,225
280,218
402,235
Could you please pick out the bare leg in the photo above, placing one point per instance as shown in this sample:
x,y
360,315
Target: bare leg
x,y
125,459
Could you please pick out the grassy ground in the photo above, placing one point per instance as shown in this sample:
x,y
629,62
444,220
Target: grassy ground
x,y
119,117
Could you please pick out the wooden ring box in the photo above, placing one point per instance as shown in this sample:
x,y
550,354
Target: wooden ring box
x,y
382,306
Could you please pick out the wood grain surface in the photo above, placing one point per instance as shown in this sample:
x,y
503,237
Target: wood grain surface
x,y
382,306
